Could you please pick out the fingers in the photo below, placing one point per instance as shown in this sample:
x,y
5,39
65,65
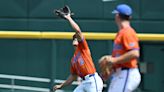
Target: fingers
x,y
56,87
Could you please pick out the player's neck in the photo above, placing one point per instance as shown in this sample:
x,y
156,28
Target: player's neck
x,y
124,24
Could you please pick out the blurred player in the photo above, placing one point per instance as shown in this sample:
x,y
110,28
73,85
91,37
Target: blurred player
x,y
126,76
82,64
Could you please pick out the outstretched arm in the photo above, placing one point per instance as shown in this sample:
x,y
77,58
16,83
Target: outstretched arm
x,y
75,27
70,79
73,23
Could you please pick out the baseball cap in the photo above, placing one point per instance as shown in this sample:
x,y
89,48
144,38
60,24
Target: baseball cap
x,y
123,9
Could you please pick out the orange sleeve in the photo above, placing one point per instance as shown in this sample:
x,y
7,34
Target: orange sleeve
x,y
130,41
72,70
83,44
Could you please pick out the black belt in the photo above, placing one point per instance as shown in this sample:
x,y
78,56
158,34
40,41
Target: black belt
x,y
125,68
90,75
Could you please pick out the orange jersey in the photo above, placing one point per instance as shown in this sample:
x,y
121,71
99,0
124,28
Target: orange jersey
x,y
81,63
125,40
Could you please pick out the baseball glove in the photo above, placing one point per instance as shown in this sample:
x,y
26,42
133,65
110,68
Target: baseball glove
x,y
105,67
62,12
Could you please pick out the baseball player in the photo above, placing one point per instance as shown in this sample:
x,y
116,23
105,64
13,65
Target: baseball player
x,y
126,76
81,64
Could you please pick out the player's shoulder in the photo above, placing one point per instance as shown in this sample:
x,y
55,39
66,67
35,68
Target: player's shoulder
x,y
128,31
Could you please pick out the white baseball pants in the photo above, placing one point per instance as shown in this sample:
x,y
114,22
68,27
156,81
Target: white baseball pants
x,y
126,80
90,84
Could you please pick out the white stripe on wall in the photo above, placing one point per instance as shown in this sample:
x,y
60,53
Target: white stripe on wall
x,y
24,88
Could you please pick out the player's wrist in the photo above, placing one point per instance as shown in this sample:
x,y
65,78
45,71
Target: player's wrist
x,y
69,17
61,86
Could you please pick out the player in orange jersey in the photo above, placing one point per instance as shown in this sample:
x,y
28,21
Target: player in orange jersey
x,y
82,64
126,76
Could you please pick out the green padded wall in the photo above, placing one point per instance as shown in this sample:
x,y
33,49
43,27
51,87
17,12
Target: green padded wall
x,y
153,55
93,16
152,9
44,58
25,57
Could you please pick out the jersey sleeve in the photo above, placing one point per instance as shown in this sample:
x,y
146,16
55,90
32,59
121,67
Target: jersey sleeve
x,y
83,43
130,41
72,70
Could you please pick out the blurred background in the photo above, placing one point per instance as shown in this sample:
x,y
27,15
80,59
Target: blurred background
x,y
35,65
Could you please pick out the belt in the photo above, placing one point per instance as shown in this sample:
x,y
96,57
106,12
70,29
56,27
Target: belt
x,y
90,75
125,68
